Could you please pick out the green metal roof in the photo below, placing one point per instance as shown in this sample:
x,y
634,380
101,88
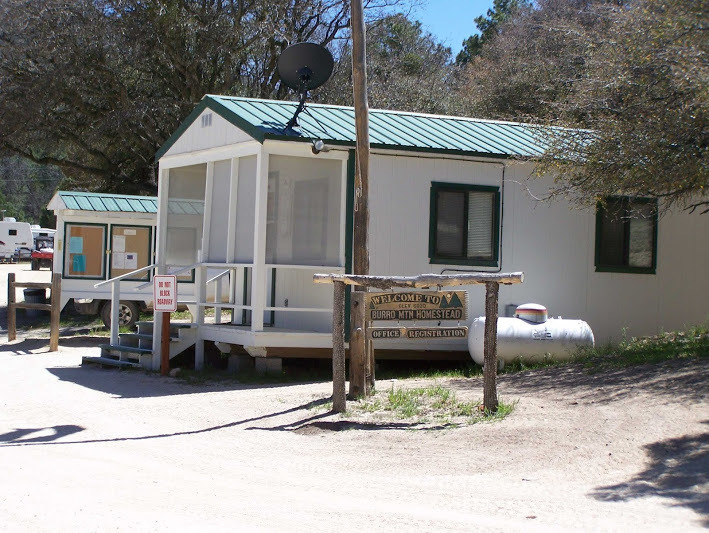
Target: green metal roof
x,y
91,201
395,130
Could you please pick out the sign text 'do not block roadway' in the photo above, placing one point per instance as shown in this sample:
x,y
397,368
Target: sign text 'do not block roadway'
x,y
165,293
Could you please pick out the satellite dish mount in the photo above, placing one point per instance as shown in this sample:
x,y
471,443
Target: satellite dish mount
x,y
303,67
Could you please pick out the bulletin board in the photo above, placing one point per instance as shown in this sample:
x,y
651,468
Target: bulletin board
x,y
130,250
85,251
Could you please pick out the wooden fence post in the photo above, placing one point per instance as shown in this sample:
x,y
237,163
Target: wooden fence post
x,y
339,400
492,290
358,352
11,316
55,302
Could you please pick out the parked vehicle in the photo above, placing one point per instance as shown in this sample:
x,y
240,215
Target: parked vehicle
x,y
13,237
42,258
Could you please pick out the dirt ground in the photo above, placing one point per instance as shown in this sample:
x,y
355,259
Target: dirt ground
x,y
90,449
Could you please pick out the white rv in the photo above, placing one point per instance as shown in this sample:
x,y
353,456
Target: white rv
x,y
13,236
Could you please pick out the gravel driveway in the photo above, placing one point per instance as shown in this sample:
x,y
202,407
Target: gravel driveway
x,y
90,449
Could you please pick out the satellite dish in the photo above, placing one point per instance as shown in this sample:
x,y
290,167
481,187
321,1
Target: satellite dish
x,y
303,67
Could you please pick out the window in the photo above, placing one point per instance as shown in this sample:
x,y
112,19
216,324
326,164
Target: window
x,y
13,232
465,224
626,235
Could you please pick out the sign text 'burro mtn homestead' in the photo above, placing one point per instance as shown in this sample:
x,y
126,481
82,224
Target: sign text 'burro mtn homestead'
x,y
417,306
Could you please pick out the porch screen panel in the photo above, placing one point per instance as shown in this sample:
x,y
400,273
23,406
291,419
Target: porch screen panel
x,y
185,214
220,212
303,214
245,210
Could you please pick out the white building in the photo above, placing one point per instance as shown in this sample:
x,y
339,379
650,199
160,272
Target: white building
x,y
446,193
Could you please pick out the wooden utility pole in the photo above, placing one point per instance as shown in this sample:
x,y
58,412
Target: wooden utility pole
x,y
361,352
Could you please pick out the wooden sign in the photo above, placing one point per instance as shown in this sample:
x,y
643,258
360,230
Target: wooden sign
x,y
442,305
386,333
456,332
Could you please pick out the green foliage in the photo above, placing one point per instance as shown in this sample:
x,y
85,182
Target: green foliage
x,y
489,27
694,342
97,87
434,403
407,69
645,95
26,188
636,74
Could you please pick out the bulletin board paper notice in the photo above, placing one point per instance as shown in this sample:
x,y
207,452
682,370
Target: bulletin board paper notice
x,y
118,260
76,245
119,243
128,232
131,260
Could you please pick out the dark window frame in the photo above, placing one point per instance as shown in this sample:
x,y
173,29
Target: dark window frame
x,y
625,268
435,258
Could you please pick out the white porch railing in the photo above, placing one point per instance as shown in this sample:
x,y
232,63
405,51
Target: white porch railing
x,y
234,271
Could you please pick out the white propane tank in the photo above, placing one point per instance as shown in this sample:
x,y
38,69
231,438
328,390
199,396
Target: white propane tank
x,y
530,336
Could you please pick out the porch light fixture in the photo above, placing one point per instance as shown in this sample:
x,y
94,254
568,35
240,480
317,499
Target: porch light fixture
x,y
319,146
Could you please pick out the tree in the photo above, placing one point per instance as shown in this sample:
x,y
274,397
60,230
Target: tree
x,y
96,86
645,99
407,69
535,60
489,27
26,188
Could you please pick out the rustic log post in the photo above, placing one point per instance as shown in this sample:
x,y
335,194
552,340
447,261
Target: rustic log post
x,y
369,374
165,344
339,401
55,302
358,341
11,310
490,348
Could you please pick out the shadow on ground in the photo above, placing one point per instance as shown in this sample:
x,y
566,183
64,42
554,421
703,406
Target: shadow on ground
x,y
682,379
129,383
33,343
48,434
16,438
678,471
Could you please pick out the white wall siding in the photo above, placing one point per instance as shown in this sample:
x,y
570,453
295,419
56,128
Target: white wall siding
x,y
553,243
197,136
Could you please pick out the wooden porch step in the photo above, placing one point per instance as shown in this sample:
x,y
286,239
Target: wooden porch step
x,y
127,349
108,361
142,336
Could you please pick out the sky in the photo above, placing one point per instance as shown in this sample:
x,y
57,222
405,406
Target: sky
x,y
451,21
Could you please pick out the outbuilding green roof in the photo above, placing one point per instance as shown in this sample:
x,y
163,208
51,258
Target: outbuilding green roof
x,y
394,130
91,201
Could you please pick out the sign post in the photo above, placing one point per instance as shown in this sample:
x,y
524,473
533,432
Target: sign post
x,y
165,301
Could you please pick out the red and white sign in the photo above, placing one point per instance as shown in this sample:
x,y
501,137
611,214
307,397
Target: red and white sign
x,y
165,293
